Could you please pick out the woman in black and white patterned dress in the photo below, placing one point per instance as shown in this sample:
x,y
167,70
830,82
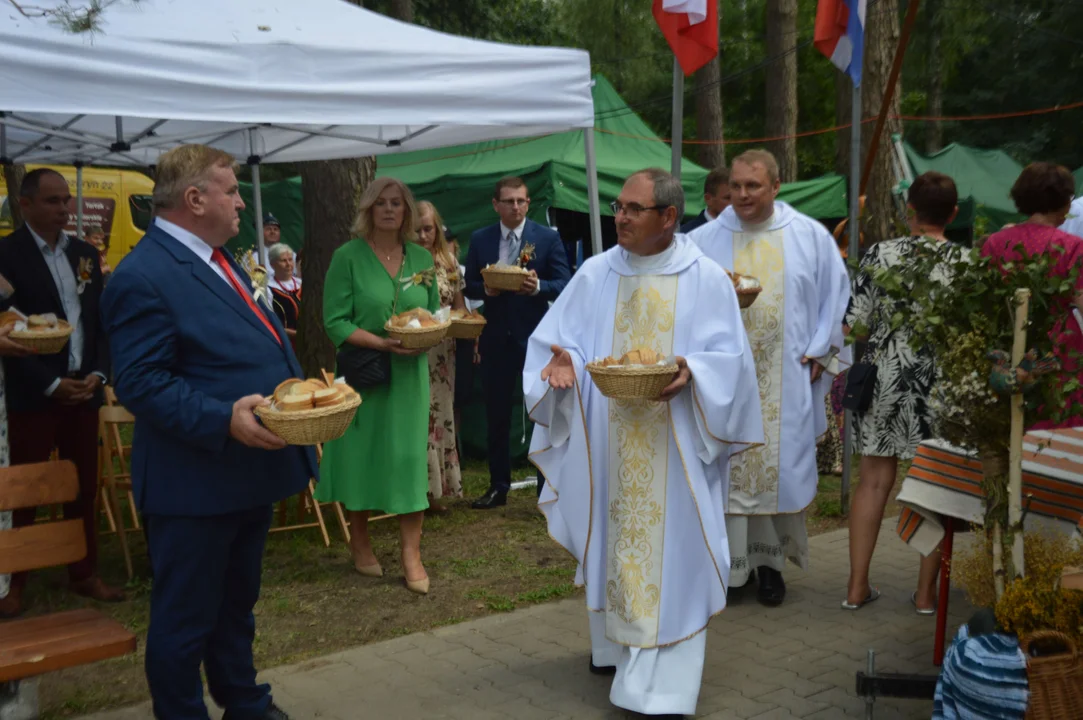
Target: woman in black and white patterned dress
x,y
897,420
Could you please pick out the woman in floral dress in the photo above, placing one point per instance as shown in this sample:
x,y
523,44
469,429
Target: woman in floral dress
x,y
445,479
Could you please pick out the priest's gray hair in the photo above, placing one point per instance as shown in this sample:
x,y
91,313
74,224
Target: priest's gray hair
x,y
276,251
667,190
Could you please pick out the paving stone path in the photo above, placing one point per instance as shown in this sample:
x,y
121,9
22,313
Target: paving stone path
x,y
795,661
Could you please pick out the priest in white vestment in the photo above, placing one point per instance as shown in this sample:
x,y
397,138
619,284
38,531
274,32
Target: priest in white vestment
x,y
634,488
795,330
1073,224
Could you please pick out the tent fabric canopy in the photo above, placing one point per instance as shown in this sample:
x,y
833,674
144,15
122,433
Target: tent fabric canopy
x,y
984,179
279,79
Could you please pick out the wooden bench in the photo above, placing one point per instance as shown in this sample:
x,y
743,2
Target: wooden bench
x,y
45,643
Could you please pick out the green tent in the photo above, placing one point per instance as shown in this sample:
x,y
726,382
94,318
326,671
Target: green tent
x,y
459,180
984,179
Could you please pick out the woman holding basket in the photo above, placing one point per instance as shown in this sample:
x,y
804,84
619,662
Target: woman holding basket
x,y
380,463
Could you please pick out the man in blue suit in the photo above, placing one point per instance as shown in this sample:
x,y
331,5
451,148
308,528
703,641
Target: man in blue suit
x,y
511,317
194,353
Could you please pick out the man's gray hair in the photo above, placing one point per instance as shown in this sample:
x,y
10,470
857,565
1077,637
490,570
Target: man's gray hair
x,y
667,190
276,251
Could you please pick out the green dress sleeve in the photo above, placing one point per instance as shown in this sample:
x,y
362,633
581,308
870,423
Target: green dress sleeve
x,y
338,299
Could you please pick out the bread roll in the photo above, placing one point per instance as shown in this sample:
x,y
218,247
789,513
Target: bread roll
x,y
306,387
291,403
41,322
283,389
327,397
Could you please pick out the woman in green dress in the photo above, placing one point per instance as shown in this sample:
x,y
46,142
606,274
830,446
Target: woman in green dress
x,y
381,463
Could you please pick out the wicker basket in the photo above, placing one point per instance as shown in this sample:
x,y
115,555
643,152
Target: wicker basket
x,y
748,296
621,382
419,338
466,329
1056,681
309,427
504,278
44,342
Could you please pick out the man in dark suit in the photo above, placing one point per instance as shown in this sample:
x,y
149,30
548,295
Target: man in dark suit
x,y
195,353
511,317
53,400
716,198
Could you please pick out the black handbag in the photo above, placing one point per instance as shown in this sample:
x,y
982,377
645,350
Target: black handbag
x,y
363,367
860,383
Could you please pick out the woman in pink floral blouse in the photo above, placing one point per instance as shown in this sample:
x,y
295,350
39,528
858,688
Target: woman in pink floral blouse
x,y
445,479
1043,192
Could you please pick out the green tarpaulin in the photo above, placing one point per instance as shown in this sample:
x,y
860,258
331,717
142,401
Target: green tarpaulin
x,y
984,179
459,180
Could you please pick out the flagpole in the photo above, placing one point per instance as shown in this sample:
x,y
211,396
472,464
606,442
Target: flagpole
x,y
677,134
854,254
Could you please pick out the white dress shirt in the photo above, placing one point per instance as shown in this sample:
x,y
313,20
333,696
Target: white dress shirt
x,y
67,286
194,243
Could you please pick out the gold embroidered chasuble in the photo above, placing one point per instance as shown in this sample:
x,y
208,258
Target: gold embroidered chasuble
x,y
639,432
754,473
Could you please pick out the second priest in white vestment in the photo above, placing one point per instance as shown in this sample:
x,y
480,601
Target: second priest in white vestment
x,y
795,330
634,488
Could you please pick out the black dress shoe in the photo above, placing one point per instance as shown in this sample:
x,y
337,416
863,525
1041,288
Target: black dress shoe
x,y
273,712
602,669
772,589
491,499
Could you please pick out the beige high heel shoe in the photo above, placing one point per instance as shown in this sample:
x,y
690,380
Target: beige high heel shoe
x,y
372,571
421,587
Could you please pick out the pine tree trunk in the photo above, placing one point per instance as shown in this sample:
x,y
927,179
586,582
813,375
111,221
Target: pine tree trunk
x,y
881,39
782,85
934,138
844,100
13,178
403,10
330,195
709,116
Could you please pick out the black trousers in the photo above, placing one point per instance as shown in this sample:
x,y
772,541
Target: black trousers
x,y
502,361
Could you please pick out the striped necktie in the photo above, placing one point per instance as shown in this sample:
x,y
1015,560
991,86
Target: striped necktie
x,y
513,249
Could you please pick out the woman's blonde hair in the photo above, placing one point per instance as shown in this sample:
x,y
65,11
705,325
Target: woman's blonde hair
x,y
363,225
441,251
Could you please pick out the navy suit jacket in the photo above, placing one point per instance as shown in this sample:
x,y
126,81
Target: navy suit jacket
x,y
26,378
509,314
698,221
186,347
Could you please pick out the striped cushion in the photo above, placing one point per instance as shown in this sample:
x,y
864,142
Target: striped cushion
x,y
983,678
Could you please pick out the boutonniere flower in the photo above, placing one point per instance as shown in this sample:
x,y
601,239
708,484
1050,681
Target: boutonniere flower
x,y
526,255
85,274
425,277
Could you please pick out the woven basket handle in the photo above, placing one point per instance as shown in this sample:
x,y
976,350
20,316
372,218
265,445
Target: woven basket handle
x,y
1040,636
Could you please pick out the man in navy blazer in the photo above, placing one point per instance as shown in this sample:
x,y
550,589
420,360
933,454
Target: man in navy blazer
x,y
511,317
194,353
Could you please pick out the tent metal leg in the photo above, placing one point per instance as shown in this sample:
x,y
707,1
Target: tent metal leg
x,y
78,201
257,199
592,192
677,139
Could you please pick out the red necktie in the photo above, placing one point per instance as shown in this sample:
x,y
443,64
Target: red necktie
x,y
219,259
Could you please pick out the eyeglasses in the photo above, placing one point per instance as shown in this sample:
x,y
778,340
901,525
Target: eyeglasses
x,y
632,210
514,202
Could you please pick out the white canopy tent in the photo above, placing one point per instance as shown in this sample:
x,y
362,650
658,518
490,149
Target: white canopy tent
x,y
271,81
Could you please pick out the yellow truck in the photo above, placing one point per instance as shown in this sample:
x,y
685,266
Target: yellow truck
x,y
116,203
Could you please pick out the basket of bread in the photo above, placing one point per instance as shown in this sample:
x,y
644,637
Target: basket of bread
x,y
506,278
748,288
419,329
639,374
306,412
466,325
44,334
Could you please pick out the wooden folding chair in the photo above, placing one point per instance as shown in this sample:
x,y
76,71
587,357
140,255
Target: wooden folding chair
x,y
306,504
116,475
45,643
